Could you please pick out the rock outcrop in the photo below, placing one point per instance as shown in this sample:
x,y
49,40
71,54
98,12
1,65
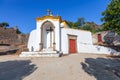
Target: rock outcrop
x,y
9,36
10,41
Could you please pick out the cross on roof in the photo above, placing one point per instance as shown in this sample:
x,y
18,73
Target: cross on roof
x,y
49,12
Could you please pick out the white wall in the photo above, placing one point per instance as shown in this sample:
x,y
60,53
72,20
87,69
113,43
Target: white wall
x,y
35,35
83,37
84,42
33,42
83,48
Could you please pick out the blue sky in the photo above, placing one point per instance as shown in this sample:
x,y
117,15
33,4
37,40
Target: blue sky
x,y
22,13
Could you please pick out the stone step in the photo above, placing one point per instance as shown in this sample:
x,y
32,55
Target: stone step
x,y
48,49
38,54
45,52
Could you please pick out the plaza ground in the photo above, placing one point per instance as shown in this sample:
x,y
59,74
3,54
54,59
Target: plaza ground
x,y
69,67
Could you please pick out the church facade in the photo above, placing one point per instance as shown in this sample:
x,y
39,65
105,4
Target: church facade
x,y
53,35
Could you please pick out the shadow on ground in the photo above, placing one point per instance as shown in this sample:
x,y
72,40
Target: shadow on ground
x,y
102,68
16,70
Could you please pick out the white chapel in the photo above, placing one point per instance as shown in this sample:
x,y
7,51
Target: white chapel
x,y
54,36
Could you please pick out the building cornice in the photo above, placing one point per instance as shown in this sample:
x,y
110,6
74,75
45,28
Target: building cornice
x,y
57,18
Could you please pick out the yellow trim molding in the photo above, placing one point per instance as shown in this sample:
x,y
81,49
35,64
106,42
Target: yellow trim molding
x,y
57,18
64,23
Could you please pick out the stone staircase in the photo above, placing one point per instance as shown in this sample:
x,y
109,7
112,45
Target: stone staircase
x,y
48,51
44,53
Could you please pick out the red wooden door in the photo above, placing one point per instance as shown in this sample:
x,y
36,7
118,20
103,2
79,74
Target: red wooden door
x,y
72,45
99,38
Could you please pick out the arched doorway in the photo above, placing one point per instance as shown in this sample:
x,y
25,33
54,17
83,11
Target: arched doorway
x,y
47,36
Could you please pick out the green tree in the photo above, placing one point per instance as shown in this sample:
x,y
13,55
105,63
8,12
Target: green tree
x,y
80,22
111,16
71,24
18,31
87,27
4,24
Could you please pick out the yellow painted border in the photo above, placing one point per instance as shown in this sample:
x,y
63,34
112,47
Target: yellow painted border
x,y
64,23
57,18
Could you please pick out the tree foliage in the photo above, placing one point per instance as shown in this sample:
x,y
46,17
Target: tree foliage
x,y
87,27
80,22
91,28
18,31
4,24
111,16
71,24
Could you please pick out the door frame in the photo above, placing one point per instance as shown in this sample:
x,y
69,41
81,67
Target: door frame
x,y
72,37
99,36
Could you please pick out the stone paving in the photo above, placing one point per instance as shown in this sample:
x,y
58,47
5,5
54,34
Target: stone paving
x,y
70,67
